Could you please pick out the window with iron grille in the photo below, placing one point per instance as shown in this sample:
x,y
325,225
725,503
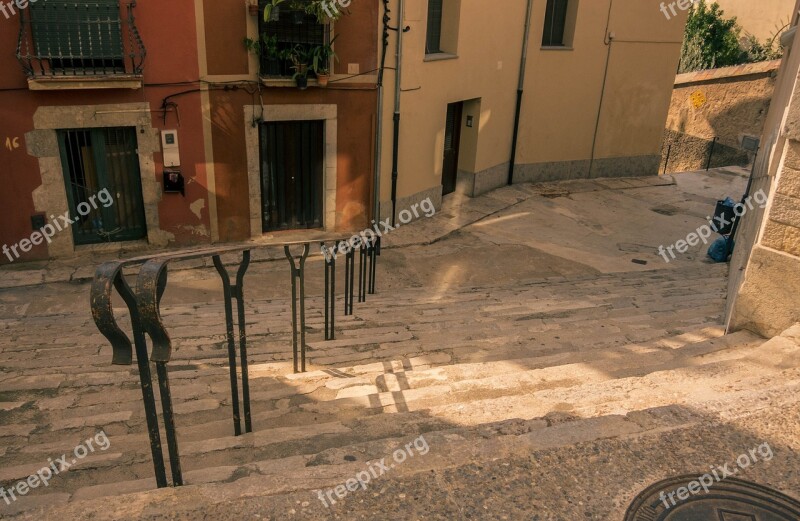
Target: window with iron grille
x,y
80,37
555,23
288,27
433,42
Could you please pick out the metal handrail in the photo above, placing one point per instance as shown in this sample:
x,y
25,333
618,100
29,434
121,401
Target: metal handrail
x,y
144,304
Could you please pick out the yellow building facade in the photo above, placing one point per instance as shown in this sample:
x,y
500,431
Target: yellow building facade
x,y
596,88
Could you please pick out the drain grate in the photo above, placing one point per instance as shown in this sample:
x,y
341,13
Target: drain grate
x,y
729,500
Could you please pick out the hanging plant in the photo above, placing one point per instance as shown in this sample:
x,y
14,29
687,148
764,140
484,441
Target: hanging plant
x,y
325,11
272,10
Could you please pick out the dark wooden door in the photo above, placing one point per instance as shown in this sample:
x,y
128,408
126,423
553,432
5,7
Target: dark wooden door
x,y
292,165
103,162
452,142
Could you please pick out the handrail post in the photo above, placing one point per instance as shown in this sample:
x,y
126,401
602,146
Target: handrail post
x,y
376,252
711,153
349,281
239,293
298,272
169,423
150,286
362,272
231,341
330,293
109,276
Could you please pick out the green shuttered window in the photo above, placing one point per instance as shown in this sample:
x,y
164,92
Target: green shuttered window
x,y
433,43
555,23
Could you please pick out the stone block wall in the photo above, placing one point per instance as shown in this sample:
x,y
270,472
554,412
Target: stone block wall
x,y
727,104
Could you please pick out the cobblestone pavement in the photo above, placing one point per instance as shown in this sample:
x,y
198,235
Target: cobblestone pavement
x,y
553,362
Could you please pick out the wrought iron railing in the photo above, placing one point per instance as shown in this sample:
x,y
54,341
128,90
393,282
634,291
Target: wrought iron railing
x,y
288,28
69,38
143,300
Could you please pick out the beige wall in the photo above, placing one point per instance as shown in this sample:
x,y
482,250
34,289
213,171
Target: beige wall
x,y
563,93
727,103
564,88
762,18
486,68
577,127
765,268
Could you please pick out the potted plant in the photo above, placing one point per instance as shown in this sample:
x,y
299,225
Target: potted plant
x,y
301,78
324,10
266,46
321,57
298,12
272,10
300,57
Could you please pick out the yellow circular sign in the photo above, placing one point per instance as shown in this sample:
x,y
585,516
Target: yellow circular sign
x,y
698,99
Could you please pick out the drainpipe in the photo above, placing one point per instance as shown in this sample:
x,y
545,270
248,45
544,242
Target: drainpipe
x,y
379,125
607,39
398,76
520,89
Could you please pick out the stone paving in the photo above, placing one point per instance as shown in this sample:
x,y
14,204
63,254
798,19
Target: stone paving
x,y
551,376
458,212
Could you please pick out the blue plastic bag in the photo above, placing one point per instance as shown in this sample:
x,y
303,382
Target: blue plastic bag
x,y
721,249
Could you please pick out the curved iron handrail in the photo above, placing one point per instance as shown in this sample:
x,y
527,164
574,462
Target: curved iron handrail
x,y
144,303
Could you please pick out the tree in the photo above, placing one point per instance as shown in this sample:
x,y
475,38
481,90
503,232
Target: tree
x,y
756,51
711,40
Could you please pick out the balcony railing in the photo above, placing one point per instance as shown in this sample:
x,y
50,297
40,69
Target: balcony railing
x,y
288,27
89,38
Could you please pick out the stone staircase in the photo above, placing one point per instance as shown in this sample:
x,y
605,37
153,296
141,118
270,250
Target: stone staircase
x,y
557,362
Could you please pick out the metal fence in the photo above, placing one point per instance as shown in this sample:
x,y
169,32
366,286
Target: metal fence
x,y
683,153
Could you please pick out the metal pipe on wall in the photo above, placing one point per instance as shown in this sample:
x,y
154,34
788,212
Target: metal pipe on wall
x,y
397,81
607,39
520,91
379,126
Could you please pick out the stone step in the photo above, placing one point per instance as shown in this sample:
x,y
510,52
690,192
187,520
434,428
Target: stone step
x,y
519,439
271,347
448,401
268,382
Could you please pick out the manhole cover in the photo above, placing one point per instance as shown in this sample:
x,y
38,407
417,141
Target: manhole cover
x,y
554,195
685,499
667,210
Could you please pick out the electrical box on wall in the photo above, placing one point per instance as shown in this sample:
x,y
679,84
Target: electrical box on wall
x,y
170,148
174,182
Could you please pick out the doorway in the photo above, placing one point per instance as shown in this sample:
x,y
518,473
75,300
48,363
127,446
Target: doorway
x,y
292,166
103,160
452,144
